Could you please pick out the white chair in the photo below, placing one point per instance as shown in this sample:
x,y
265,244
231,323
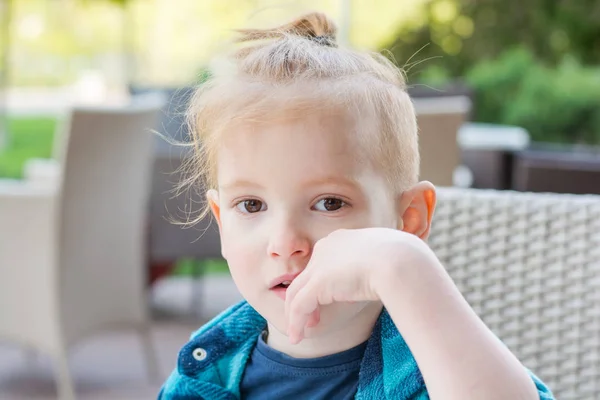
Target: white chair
x,y
72,255
439,119
529,264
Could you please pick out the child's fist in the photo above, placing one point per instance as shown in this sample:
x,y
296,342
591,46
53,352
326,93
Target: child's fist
x,y
345,267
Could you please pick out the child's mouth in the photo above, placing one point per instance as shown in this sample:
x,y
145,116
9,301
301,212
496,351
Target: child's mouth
x,y
280,284
281,289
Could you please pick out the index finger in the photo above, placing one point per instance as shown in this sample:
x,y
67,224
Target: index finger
x,y
304,304
292,290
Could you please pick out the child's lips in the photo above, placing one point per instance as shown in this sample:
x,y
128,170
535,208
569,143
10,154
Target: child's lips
x,y
280,291
285,278
280,284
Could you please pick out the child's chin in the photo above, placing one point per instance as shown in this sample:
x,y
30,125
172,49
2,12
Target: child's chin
x,y
333,318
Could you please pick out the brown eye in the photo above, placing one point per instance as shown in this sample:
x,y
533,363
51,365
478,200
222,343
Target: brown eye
x,y
251,206
329,204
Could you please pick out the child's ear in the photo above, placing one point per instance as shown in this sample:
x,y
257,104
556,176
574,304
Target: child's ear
x,y
415,209
212,196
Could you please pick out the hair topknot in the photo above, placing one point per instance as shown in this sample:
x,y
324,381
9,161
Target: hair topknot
x,y
310,26
305,49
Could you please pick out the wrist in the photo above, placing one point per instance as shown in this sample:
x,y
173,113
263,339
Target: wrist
x,y
405,265
389,268
386,280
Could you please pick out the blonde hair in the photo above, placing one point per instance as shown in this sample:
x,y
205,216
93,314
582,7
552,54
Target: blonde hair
x,y
300,67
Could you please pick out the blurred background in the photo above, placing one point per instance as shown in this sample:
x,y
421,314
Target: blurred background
x,y
507,95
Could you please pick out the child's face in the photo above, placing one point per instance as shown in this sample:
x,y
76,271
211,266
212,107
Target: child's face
x,y
284,186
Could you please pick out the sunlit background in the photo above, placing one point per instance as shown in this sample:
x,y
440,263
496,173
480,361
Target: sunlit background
x,y
511,54
507,94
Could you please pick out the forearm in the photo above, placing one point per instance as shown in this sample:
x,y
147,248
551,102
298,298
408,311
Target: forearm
x,y
459,357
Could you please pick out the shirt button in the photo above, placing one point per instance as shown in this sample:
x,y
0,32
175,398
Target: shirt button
x,y
199,354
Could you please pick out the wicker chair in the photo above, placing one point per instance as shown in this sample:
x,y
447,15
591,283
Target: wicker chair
x,y
529,264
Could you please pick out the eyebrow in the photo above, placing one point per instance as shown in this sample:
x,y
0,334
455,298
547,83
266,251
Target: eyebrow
x,y
241,183
331,180
322,181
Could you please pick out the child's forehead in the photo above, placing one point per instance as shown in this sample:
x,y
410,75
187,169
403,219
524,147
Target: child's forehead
x,y
343,130
316,134
300,145
305,113
293,168
266,103
317,131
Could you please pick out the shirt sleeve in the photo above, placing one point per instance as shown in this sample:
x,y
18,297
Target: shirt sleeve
x,y
544,392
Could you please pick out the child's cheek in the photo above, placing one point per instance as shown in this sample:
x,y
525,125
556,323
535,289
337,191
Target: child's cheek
x,y
243,245
245,261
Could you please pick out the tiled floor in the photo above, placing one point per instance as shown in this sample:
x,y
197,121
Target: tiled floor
x,y
109,366
112,365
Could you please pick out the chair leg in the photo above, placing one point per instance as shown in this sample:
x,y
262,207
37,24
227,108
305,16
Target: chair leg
x,y
65,388
152,368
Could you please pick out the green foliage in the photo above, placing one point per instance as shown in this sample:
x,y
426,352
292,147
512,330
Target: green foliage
x,y
28,138
549,84
465,32
560,104
434,75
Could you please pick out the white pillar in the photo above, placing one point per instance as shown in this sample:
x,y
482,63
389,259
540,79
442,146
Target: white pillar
x,y
345,20
5,15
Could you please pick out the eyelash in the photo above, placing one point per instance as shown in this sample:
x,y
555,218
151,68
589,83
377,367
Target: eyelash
x,y
345,204
241,201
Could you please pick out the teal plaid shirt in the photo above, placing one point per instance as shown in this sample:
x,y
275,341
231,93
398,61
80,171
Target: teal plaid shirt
x,y
211,365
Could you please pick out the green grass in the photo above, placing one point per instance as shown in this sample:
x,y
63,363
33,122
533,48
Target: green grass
x,y
185,267
28,137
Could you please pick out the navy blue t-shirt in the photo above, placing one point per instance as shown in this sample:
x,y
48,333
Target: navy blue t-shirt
x,y
271,374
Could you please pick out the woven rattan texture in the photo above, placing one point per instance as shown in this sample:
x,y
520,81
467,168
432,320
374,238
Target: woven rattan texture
x,y
529,264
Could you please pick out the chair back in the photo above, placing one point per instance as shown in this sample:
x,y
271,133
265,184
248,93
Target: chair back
x,y
439,120
102,213
529,264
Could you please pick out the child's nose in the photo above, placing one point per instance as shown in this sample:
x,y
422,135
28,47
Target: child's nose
x,y
289,243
